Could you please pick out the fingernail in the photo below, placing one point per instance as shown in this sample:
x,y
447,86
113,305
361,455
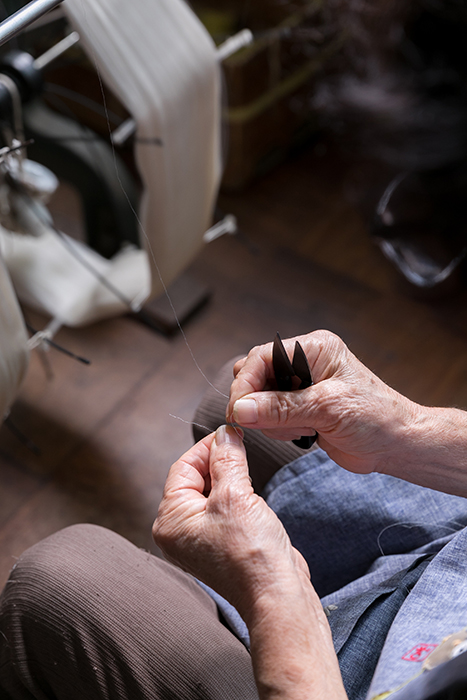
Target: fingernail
x,y
228,434
245,411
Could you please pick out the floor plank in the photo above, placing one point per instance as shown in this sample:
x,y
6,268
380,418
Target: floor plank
x,y
303,260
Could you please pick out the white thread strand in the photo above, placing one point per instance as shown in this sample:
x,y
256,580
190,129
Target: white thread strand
x,y
409,526
205,427
191,422
153,257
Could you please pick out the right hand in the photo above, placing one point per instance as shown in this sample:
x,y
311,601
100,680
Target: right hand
x,y
212,524
362,423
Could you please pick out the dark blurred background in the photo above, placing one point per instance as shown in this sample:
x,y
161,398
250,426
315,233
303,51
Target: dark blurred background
x,y
345,130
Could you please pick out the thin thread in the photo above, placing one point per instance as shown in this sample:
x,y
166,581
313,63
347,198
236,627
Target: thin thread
x,y
205,427
85,263
103,280
98,139
409,526
191,422
82,100
164,287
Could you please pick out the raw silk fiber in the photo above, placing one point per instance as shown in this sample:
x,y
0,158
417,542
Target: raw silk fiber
x,y
53,274
160,61
13,343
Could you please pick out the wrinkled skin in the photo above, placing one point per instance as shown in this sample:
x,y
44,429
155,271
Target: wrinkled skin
x,y
362,423
213,525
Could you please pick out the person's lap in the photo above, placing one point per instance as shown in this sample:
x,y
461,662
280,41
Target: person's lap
x,y
348,526
345,525
86,614
91,609
367,540
379,553
86,610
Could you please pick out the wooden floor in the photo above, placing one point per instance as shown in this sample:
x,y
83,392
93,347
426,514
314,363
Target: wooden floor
x,y
108,433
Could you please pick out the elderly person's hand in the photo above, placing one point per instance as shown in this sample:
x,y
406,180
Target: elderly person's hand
x,y
362,423
212,524
357,416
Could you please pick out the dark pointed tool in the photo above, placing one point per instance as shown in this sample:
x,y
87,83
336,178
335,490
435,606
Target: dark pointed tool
x,y
284,371
301,366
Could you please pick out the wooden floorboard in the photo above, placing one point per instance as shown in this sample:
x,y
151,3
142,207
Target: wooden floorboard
x,y
108,433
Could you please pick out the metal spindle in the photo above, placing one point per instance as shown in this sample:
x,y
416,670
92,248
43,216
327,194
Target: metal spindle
x,y
14,24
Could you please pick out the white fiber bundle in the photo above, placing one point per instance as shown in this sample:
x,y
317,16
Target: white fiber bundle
x,y
61,276
160,61
13,343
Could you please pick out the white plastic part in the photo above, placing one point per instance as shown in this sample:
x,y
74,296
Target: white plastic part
x,y
56,51
234,44
39,181
13,343
227,225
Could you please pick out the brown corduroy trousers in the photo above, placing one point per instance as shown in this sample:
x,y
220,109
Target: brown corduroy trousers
x,y
86,615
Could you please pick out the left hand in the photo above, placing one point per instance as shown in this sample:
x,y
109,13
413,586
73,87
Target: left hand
x,y
212,524
363,424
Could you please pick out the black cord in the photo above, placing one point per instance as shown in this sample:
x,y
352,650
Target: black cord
x,y
12,149
16,184
103,280
21,436
59,91
58,347
91,104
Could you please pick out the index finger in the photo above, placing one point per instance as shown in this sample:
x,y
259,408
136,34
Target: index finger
x,y
326,353
251,375
255,372
188,474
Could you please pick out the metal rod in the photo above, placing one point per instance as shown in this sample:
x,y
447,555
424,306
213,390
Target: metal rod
x,y
24,17
56,50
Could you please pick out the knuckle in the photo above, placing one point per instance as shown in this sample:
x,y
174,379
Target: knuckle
x,y
330,341
254,352
238,365
332,404
332,355
226,459
284,409
158,533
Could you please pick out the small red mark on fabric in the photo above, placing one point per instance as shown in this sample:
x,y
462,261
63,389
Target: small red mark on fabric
x,y
419,652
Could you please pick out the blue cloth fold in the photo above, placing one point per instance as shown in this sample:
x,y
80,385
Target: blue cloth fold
x,y
388,559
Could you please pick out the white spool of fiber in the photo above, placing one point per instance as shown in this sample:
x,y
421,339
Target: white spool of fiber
x,y
13,344
161,63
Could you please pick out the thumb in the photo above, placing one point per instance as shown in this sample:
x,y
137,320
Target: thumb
x,y
272,409
228,463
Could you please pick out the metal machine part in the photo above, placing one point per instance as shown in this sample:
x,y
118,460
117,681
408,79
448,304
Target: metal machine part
x,y
28,14
73,152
